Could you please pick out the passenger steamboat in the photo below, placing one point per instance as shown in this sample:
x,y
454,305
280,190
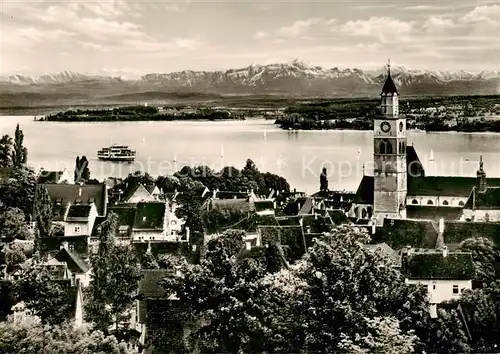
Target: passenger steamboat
x,y
116,153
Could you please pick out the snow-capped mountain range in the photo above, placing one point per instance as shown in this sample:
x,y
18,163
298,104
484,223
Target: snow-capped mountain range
x,y
295,77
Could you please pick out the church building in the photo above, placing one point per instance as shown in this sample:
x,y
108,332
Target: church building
x,y
399,188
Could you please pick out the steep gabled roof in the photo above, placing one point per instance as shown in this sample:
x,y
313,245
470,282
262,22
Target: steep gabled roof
x,y
487,200
414,166
399,233
387,251
83,194
433,265
75,262
79,211
364,194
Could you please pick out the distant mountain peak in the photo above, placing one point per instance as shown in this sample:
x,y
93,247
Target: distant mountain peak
x,y
293,77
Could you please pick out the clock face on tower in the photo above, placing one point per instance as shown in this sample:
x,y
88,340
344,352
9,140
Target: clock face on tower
x,y
385,127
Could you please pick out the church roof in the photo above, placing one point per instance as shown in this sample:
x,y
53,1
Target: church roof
x,y
433,212
389,86
450,186
364,194
413,164
487,200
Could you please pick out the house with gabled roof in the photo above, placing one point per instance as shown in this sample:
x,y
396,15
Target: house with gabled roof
x,y
137,192
150,222
445,274
67,264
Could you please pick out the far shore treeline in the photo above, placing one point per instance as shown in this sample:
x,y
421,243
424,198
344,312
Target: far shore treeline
x,y
452,113
138,113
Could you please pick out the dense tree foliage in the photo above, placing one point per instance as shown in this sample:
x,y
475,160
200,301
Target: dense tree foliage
x,y
33,337
19,152
13,224
5,151
484,254
42,211
338,297
114,280
19,191
51,300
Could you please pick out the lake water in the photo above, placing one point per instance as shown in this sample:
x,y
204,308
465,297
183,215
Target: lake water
x,y
296,155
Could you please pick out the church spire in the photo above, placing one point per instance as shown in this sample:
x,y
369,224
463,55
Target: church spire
x,y
481,176
389,86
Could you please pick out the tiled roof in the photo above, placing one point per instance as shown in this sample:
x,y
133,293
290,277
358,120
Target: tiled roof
x,y
230,204
231,195
70,193
337,217
136,187
301,205
149,215
398,233
456,232
79,211
364,194
74,262
445,186
433,213
433,265
49,177
387,251
487,200
288,221
389,86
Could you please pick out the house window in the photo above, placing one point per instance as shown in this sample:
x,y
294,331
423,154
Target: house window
x,y
151,237
71,247
455,289
414,201
400,126
461,203
446,203
174,222
434,287
77,229
429,202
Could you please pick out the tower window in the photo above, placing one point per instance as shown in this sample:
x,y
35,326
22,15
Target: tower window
x,y
414,201
385,147
400,126
429,202
446,203
461,203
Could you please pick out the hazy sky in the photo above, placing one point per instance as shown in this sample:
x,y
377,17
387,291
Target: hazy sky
x,y
131,38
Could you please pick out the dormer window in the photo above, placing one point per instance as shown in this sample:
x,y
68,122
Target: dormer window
x,y
91,200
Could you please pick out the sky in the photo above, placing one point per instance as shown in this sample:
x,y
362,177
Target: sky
x,y
133,38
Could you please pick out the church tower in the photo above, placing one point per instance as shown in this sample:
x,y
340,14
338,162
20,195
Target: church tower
x,y
389,138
